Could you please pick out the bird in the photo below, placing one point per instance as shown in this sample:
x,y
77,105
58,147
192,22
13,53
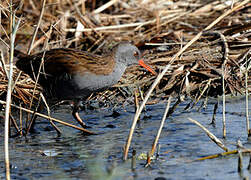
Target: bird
x,y
70,74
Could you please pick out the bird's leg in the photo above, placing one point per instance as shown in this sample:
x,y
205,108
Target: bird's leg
x,y
76,115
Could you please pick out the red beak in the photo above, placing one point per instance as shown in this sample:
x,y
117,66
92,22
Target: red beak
x,y
142,63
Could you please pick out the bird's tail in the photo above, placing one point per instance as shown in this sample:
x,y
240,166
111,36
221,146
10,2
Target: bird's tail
x,y
18,54
22,61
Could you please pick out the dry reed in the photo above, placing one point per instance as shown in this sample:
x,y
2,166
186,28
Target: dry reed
x,y
197,48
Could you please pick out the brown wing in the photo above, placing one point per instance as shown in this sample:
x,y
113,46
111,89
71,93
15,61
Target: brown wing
x,y
61,61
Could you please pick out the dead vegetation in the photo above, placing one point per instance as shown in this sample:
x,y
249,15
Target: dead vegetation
x,y
159,28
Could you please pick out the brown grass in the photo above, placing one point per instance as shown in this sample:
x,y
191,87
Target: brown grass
x,y
159,28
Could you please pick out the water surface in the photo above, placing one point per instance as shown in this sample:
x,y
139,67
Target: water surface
x,y
44,155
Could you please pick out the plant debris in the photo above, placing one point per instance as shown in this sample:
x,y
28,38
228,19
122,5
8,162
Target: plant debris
x,y
158,28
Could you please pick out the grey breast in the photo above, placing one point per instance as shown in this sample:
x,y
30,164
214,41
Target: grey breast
x,y
89,82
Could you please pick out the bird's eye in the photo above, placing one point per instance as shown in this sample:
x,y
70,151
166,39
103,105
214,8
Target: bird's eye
x,y
136,54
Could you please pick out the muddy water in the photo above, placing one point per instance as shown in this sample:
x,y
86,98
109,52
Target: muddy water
x,y
43,155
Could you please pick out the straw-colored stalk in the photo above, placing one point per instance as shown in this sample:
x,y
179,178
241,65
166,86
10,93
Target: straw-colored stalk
x,y
220,155
50,118
246,87
210,135
29,51
240,162
13,30
223,103
159,132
